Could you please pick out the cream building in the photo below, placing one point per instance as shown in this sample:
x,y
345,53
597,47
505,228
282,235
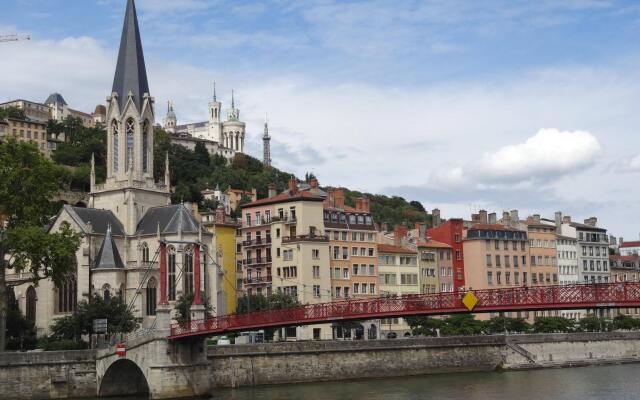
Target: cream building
x,y
129,218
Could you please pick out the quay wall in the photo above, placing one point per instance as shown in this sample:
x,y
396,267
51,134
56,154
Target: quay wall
x,y
48,375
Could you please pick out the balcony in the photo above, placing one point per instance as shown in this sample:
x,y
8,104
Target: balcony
x,y
256,261
257,242
254,223
305,238
257,280
287,219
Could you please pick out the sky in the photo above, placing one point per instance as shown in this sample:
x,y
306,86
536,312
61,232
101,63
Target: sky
x,y
462,105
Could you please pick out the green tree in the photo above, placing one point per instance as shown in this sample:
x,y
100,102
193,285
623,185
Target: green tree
x,y
552,324
426,326
260,302
21,333
183,308
461,324
626,322
119,318
26,175
591,323
504,324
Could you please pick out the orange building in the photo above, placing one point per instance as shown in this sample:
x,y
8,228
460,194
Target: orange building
x,y
542,251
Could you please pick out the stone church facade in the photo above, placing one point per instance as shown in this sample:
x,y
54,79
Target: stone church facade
x,y
130,230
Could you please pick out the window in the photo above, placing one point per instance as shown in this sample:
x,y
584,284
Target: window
x,y
316,271
489,278
514,245
315,254
151,297
354,251
506,245
372,288
498,260
371,252
356,288
497,244
145,252
67,295
129,131
114,128
458,255
515,261
171,272
345,273
188,270
456,237
363,251
355,269
522,246
507,264
487,244
507,278
316,291
499,278
524,260
488,260
145,146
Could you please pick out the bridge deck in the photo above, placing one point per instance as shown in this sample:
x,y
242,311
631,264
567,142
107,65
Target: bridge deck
x,y
580,296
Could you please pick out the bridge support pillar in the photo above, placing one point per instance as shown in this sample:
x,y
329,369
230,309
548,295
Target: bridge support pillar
x,y
163,318
197,312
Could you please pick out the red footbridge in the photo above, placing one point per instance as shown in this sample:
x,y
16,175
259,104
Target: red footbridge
x,y
535,298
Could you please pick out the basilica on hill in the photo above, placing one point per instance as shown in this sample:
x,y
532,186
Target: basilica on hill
x,y
131,231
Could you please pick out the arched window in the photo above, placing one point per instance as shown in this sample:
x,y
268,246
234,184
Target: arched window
x,y
129,130
151,297
237,140
67,295
114,129
171,272
145,252
106,292
31,304
145,146
188,270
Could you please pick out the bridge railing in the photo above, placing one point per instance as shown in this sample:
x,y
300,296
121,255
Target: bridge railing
x,y
488,300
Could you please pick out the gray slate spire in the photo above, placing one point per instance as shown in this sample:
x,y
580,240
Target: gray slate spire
x,y
108,256
131,74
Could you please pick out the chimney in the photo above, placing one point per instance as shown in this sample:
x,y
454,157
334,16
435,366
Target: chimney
x,y
272,190
220,217
536,218
338,195
483,216
435,217
475,218
359,203
400,234
366,205
506,218
558,219
514,217
591,221
313,182
566,219
293,186
492,218
422,231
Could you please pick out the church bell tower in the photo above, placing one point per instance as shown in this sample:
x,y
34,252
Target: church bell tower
x,y
130,188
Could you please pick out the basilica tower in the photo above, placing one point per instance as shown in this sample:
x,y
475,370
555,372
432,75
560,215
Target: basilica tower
x,y
130,188
266,145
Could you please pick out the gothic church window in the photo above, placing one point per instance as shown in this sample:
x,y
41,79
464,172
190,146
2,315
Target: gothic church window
x,y
31,304
114,128
171,267
145,252
151,297
129,130
145,146
67,295
188,270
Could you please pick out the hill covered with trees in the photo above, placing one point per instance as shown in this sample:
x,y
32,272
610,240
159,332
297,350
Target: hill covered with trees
x,y
195,170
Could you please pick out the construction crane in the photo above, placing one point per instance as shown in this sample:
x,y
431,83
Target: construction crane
x,y
13,38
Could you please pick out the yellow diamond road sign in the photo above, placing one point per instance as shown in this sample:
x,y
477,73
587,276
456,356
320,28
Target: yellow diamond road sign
x,y
470,300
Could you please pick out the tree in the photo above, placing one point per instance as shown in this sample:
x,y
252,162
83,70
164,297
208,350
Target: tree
x,y
625,322
506,325
426,326
119,318
21,333
591,323
259,302
552,324
12,112
183,308
461,324
26,174
417,205
202,154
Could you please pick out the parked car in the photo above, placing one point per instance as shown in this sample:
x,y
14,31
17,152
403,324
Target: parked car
x,y
223,341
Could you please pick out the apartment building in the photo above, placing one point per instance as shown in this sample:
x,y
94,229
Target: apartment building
x,y
631,248
284,249
398,273
625,269
223,253
28,131
451,232
542,251
352,245
432,268
592,247
567,256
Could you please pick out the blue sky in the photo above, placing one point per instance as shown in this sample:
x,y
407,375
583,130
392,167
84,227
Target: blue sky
x,y
459,104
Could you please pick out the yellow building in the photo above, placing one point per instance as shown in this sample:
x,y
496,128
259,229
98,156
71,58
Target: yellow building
x,y
27,131
224,254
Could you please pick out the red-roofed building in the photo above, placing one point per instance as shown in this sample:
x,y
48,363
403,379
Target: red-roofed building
x,y
451,233
631,248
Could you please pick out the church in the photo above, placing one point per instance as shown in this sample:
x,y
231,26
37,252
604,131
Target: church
x,y
135,243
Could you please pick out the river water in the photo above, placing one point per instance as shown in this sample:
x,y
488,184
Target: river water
x,y
603,382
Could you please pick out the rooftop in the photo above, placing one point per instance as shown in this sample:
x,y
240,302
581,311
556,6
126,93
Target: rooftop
x,y
433,244
283,197
632,243
388,248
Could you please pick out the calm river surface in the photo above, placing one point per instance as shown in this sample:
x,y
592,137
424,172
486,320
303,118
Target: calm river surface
x,y
606,382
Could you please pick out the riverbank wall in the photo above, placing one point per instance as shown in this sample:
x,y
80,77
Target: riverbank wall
x,y
280,363
48,375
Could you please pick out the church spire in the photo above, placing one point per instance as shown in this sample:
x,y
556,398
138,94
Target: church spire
x,y
214,91
131,73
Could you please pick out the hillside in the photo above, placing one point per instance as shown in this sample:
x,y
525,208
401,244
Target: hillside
x,y
193,171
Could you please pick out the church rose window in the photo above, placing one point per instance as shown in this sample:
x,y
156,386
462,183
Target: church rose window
x,y
129,129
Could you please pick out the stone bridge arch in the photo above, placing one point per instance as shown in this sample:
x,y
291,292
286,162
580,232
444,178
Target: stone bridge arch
x,y
123,378
155,366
